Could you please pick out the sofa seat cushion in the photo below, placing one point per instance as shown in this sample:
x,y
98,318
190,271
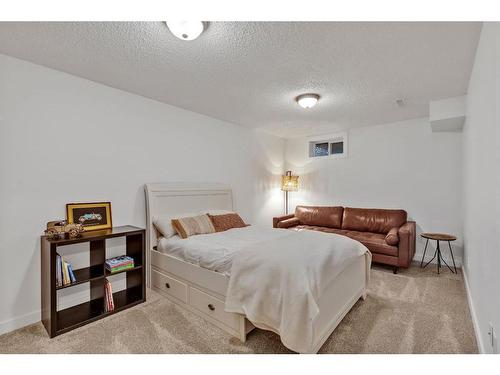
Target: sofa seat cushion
x,y
320,229
333,230
372,219
288,223
309,227
330,217
375,242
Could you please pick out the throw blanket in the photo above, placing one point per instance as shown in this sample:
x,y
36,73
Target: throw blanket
x,y
277,283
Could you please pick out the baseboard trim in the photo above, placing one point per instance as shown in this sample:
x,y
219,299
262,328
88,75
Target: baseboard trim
x,y
34,317
19,322
475,322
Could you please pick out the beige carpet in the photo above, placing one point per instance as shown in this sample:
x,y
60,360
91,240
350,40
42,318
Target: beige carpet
x,y
416,311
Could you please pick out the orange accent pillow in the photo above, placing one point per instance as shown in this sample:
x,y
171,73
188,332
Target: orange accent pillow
x,y
224,222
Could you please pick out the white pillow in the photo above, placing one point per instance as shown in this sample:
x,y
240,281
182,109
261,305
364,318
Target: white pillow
x,y
163,223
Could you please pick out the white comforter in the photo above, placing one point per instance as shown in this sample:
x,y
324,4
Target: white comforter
x,y
215,251
277,283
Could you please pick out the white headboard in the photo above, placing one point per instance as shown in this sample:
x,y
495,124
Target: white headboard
x,y
179,197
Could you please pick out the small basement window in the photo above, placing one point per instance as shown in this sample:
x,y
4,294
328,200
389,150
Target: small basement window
x,y
336,148
333,145
321,149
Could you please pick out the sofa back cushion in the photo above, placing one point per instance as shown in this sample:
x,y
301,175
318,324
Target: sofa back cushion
x,y
320,216
372,219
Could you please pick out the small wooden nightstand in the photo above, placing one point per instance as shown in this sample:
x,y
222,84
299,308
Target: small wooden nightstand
x,y
439,237
58,322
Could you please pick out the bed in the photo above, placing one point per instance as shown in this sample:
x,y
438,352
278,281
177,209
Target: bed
x,y
195,273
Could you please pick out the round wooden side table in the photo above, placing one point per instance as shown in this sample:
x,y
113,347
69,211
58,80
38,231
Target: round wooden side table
x,y
439,237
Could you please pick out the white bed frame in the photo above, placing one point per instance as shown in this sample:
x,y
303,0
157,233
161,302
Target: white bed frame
x,y
202,291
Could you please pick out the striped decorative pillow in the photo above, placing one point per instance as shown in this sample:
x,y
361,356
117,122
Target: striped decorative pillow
x,y
189,226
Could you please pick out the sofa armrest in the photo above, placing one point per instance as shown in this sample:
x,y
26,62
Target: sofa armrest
x,y
392,237
277,219
287,223
407,237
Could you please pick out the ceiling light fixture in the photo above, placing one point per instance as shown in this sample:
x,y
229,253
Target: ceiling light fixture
x,y
186,30
307,100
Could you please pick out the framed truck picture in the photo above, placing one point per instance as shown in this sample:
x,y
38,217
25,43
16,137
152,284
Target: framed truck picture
x,y
93,216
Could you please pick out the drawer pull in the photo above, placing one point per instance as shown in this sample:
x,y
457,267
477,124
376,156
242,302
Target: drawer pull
x,y
211,307
167,285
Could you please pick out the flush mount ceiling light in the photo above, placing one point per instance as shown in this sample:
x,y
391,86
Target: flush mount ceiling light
x,y
307,100
186,30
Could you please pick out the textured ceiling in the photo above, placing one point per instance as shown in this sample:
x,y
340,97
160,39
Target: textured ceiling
x,y
249,73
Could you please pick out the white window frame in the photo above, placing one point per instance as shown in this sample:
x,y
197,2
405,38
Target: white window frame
x,y
330,138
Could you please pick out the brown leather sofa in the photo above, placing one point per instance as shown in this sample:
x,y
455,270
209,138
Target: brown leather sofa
x,y
386,233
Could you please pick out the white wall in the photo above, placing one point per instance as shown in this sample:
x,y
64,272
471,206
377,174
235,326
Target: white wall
x,y
482,186
66,139
397,165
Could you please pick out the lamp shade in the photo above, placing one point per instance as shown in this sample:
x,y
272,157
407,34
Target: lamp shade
x,y
289,182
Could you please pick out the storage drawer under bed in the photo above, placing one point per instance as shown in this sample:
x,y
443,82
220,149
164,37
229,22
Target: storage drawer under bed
x,y
169,285
213,307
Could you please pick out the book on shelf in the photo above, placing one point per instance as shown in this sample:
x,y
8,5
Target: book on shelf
x,y
71,274
120,263
58,270
64,272
66,279
109,304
